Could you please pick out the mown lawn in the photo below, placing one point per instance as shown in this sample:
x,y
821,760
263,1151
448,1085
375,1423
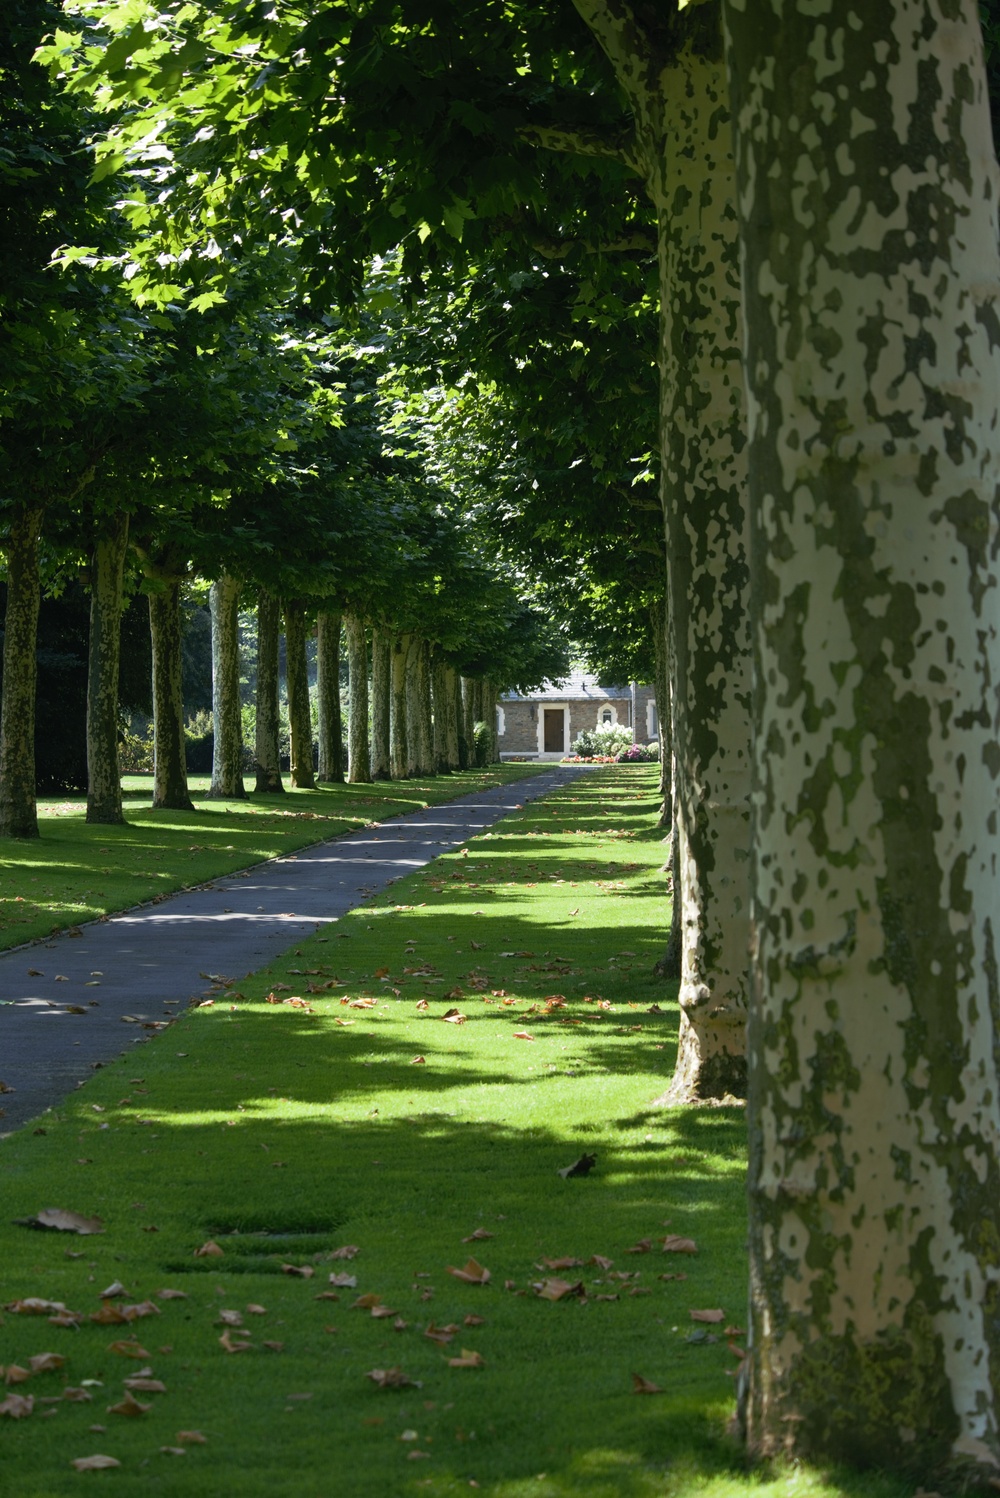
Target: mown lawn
x,y
345,1145
75,872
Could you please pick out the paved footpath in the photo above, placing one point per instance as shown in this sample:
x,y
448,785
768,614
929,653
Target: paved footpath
x,y
63,1001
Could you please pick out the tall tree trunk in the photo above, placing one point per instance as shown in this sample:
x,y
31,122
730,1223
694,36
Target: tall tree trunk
x,y
381,703
469,719
425,707
418,709
869,197
398,727
18,809
441,696
104,783
461,732
358,753
303,775
267,732
659,626
331,730
227,723
451,695
170,787
490,719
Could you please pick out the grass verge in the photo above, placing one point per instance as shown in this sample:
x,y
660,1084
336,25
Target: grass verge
x,y
76,872
326,1119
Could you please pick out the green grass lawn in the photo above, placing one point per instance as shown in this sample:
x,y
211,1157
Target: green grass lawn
x,y
350,1143
76,872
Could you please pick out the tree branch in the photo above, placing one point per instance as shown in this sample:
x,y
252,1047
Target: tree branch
x,y
641,241
581,140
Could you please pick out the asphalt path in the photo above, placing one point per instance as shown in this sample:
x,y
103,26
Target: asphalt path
x,y
68,1004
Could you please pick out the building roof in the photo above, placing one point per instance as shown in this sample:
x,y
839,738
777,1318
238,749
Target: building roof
x,y
576,687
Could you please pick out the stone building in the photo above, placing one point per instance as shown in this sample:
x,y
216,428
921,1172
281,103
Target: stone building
x,y
544,724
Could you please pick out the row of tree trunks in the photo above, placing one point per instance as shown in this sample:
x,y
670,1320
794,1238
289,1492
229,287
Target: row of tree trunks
x,y
358,742
170,787
104,787
227,738
330,731
267,740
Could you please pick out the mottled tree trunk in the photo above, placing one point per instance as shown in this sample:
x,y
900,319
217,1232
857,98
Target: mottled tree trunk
x,y
450,704
381,703
331,731
170,787
659,627
303,775
18,810
683,144
418,710
268,718
104,784
462,719
868,188
358,753
441,696
227,750
398,729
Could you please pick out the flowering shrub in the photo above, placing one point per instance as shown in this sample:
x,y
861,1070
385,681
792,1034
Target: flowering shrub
x,y
637,754
592,743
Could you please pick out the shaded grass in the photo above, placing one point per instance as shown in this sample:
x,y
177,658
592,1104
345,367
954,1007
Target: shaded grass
x,y
285,1134
76,872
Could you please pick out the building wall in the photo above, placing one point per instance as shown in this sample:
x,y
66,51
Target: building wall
x,y
520,721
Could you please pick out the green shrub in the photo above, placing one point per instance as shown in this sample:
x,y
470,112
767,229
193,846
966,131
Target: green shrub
x,y
604,741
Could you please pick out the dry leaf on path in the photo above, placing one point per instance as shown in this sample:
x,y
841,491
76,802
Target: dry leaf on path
x,y
468,1359
471,1273
392,1378
672,1244
642,1385
94,1463
709,1316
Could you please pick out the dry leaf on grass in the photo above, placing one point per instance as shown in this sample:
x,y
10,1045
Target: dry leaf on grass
x,y
228,1343
344,1280
522,1035
77,1396
17,1406
419,1061
116,1288
172,1294
672,1244
567,1263
255,1310
129,1349
15,1374
94,1463
366,1302
478,1236
192,1438
46,1362
304,1271
422,1004
644,1246
109,1315
441,1334
455,1017
471,1273
173,1451
556,1289
230,1318
468,1359
601,1261
709,1316
129,1406
392,1378
382,1312
56,1220
209,1250
642,1385
349,1251
144,1385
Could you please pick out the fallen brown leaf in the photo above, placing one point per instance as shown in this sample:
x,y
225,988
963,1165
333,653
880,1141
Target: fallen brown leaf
x,y
544,1263
192,1438
17,1406
59,1221
644,1246
642,1385
230,1318
471,1273
349,1251
581,1167
557,1289
366,1302
473,1321
145,1385
228,1343
709,1316
209,1250
173,1451
15,1374
672,1244
255,1310
172,1294
94,1463
522,1035
601,1261
468,1359
46,1362
128,1349
478,1236
129,1406
344,1280
455,1017
419,1061
441,1334
392,1378
77,1396
109,1315
304,1271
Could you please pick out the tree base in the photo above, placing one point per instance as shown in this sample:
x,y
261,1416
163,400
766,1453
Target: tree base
x,y
97,817
174,803
718,1081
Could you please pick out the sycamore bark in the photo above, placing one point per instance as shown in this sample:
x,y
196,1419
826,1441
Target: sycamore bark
x,y
104,785
419,738
358,753
170,787
303,775
267,730
331,731
672,70
442,699
868,190
227,747
398,728
450,707
467,722
18,809
381,694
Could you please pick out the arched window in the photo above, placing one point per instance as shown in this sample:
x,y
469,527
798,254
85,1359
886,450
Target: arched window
x,y
606,718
